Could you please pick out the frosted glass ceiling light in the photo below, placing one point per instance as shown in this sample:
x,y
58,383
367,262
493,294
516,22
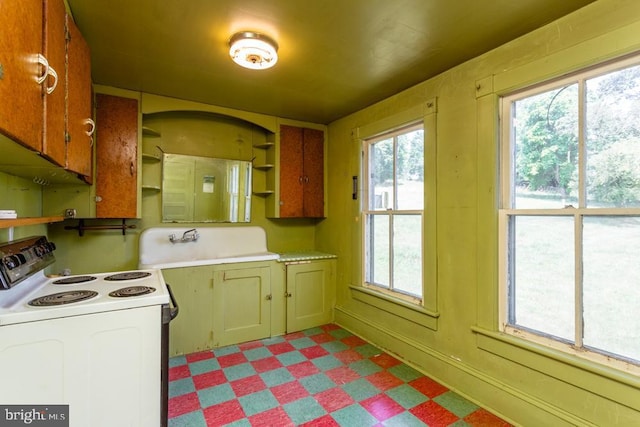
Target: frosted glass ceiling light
x,y
253,50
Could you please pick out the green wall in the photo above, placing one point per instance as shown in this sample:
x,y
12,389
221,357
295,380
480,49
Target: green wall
x,y
23,196
458,343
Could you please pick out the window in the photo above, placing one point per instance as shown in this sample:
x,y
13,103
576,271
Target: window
x,y
570,214
393,212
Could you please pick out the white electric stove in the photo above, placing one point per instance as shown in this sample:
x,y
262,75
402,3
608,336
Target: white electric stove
x,y
95,342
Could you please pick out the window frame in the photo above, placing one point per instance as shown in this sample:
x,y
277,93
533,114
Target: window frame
x,y
506,211
425,314
390,213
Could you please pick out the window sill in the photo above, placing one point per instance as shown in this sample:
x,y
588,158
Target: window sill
x,y
412,312
570,369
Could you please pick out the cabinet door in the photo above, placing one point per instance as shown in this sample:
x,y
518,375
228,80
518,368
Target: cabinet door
x,y
117,157
291,172
78,106
21,41
241,305
313,179
310,295
53,144
192,330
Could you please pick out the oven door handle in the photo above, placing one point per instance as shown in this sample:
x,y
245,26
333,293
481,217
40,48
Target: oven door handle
x,y
175,309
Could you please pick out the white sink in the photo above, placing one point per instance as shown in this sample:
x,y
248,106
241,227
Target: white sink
x,y
215,245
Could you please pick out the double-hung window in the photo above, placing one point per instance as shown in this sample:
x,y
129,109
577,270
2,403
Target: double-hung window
x,y
393,212
570,214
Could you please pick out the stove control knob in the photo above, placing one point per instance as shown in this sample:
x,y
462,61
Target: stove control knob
x,y
13,261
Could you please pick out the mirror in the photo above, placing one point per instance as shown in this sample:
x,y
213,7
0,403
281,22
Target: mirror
x,y
205,189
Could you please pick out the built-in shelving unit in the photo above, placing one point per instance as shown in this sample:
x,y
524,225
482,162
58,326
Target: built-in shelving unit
x,y
263,163
151,158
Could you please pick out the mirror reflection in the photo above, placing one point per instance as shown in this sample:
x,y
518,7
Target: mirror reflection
x,y
205,189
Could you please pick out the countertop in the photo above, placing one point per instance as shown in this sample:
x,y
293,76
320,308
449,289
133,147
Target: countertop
x,y
304,256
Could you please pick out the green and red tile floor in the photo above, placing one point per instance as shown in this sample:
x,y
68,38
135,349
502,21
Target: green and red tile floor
x,y
323,376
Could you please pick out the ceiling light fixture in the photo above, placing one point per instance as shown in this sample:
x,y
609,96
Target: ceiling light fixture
x,y
253,50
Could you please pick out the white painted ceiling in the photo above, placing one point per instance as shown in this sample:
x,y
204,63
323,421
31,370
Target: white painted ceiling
x,y
335,56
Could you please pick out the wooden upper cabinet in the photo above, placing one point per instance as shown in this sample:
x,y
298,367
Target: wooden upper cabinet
x,y
313,166
291,172
117,157
79,123
53,143
20,44
301,172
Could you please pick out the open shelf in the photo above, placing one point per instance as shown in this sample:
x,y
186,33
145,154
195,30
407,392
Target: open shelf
x,y
17,222
264,145
147,131
152,157
264,167
263,193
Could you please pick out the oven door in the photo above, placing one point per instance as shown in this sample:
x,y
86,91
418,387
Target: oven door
x,y
169,312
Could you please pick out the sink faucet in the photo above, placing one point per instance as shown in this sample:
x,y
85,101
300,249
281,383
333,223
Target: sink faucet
x,y
188,236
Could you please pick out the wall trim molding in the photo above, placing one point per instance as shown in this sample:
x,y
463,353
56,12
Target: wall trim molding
x,y
406,310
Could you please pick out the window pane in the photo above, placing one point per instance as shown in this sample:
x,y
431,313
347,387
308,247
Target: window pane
x,y
410,170
611,286
542,286
613,139
545,160
381,175
407,254
378,250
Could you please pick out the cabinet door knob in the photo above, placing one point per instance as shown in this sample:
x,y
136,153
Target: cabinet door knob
x,y
287,294
90,132
51,72
268,297
131,168
45,66
92,126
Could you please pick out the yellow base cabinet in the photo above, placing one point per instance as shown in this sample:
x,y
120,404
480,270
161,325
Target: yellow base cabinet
x,y
192,329
241,305
310,294
228,304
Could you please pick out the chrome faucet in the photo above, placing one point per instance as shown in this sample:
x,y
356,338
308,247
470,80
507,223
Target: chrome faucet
x,y
188,236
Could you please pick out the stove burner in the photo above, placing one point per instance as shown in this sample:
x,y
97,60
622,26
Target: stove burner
x,y
132,291
73,280
128,275
61,298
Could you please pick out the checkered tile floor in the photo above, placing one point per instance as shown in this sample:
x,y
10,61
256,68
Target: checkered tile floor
x,y
319,377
